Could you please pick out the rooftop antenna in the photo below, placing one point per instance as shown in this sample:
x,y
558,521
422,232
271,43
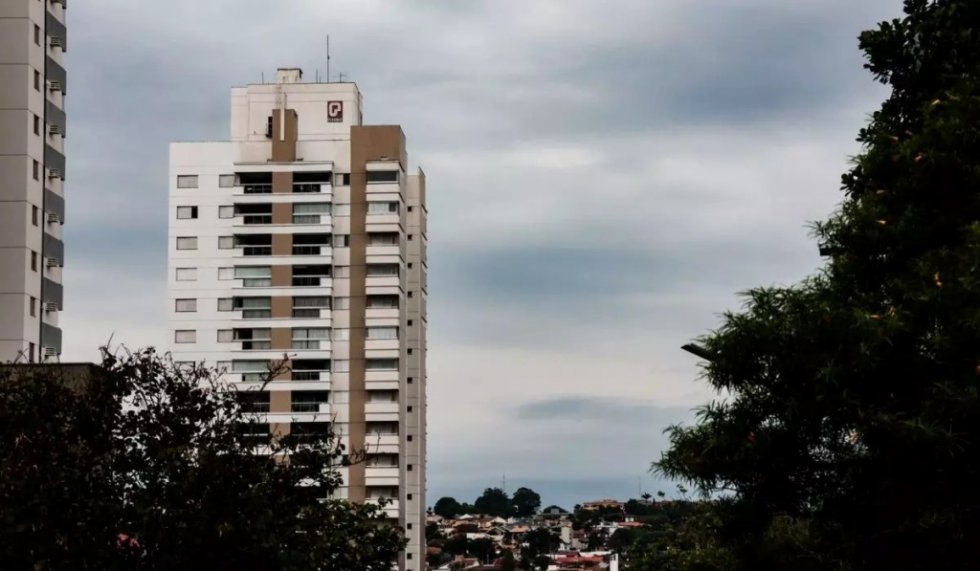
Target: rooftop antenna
x,y
341,77
263,77
328,58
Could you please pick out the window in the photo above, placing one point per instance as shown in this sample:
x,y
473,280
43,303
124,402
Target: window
x,y
185,336
411,380
382,176
226,304
187,243
226,180
339,365
382,208
37,80
309,307
409,437
341,240
254,339
382,270
308,401
381,364
185,305
34,213
186,274
409,409
34,261
409,351
409,322
226,212
33,306
226,242
410,236
340,209
382,333
254,276
382,239
410,294
382,302
226,336
186,212
408,497
309,337
342,179
254,307
37,125
37,34
187,181
410,208
226,273
30,354
37,170
310,212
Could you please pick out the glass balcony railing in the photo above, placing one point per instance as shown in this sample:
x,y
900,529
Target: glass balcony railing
x,y
306,187
257,250
257,188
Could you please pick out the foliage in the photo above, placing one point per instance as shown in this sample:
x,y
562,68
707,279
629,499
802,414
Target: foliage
x,y
848,437
526,502
447,507
507,561
494,502
147,466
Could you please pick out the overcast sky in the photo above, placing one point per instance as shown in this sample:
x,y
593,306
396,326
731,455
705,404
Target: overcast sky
x,y
603,178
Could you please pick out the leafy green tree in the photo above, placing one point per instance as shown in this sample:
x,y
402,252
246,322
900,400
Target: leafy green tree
x,y
139,464
540,541
447,507
526,502
483,549
494,502
849,434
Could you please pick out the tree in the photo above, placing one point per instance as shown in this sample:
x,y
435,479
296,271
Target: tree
x,y
447,507
540,541
526,502
507,562
139,464
851,423
482,549
494,502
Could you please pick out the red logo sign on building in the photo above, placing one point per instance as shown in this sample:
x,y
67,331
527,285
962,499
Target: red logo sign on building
x,y
335,111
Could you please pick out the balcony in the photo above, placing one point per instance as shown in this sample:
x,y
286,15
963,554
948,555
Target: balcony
x,y
257,250
301,219
310,345
380,376
252,219
257,188
382,345
308,250
381,475
311,376
306,187
310,407
388,281
383,250
390,313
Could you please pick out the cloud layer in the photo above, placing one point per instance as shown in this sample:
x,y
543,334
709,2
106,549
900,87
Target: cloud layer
x,y
603,178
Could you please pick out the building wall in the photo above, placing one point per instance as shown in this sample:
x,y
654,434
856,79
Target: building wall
x,y
378,411
32,41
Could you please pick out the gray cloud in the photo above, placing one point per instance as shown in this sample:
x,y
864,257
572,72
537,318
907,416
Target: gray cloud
x,y
603,177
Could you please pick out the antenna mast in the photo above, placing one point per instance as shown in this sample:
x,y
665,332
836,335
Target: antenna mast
x,y
328,58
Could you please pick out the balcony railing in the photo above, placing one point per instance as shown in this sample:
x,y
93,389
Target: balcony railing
x,y
306,344
257,219
306,219
306,375
257,282
255,407
258,188
257,250
256,345
306,187
306,250
305,407
306,281
306,313
256,313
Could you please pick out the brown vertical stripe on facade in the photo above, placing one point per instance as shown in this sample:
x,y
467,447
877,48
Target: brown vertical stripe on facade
x,y
279,429
282,338
282,183
282,307
282,276
282,213
367,144
280,401
284,150
282,244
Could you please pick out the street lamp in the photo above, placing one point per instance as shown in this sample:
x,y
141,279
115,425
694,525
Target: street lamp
x,y
698,351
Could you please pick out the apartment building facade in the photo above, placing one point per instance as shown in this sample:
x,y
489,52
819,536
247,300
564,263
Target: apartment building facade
x,y
33,82
305,235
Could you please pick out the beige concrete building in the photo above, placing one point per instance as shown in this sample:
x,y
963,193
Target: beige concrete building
x,y
305,235
32,170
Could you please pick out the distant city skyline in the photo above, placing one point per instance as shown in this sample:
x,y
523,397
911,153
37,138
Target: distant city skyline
x,y
605,179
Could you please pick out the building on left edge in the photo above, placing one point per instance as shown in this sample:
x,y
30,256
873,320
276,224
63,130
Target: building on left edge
x,y
33,83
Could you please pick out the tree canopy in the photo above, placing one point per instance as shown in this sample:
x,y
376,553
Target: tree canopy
x,y
526,502
140,464
849,434
447,507
494,502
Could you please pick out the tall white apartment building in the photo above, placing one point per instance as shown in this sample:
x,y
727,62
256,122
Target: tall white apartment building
x,y
33,39
305,235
